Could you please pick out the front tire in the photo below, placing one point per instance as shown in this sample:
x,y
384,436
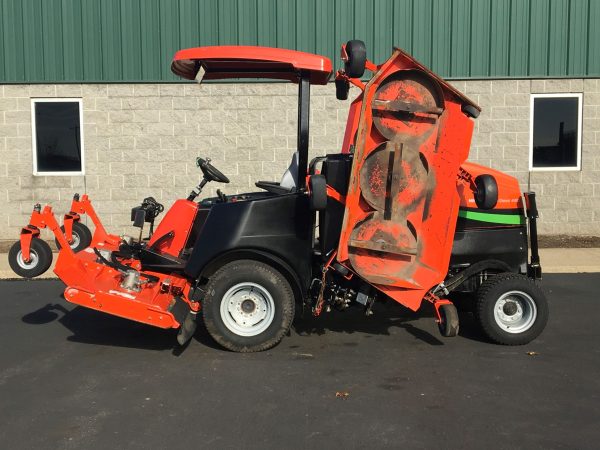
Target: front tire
x,y
82,237
39,262
248,307
511,309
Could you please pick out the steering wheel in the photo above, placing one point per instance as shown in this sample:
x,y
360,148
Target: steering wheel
x,y
210,172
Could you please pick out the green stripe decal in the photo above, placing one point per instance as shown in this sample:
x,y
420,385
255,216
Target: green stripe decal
x,y
507,219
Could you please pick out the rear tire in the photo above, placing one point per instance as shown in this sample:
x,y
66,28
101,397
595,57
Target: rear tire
x,y
248,307
39,262
511,309
82,237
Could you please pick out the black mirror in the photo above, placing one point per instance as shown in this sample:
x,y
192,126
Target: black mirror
x,y
342,87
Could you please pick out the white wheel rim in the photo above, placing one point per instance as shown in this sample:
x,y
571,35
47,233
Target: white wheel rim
x,y
76,240
247,309
515,312
28,265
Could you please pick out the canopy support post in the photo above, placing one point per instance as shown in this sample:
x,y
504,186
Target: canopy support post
x,y
303,123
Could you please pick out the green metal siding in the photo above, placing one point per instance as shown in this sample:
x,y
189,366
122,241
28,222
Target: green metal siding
x,y
134,40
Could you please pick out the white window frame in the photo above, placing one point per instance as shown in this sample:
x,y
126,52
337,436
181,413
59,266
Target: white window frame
x,y
36,172
579,96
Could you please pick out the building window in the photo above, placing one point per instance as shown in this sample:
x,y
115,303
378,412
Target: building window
x,y
57,136
555,133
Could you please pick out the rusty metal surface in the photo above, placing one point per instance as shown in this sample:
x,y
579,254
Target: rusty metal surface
x,y
416,92
402,201
395,180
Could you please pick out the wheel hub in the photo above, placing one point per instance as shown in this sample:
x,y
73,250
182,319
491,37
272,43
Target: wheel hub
x,y
247,309
510,308
248,306
515,312
75,240
30,263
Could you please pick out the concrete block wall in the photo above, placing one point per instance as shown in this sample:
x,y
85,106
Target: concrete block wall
x,y
143,140
568,201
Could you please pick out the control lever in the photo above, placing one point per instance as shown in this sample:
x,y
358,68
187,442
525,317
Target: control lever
x,y
222,196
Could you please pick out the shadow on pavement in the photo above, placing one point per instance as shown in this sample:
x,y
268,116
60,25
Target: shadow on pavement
x,y
92,327
469,328
353,320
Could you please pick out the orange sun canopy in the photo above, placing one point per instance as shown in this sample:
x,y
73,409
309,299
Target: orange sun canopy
x,y
220,62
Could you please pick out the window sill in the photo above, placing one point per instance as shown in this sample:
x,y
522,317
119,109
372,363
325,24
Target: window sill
x,y
58,174
554,169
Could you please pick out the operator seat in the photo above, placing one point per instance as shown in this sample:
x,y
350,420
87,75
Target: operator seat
x,y
289,180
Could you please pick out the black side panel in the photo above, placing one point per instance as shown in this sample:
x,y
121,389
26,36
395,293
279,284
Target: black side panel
x,y
330,226
505,244
279,225
199,222
336,169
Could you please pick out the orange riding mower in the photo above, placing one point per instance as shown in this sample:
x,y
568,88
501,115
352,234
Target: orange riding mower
x,y
397,214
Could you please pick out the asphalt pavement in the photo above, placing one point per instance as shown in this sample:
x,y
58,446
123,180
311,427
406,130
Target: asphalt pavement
x,y
75,378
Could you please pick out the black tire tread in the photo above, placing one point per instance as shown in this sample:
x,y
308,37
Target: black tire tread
x,y
318,194
355,68
488,186
480,308
85,236
471,111
450,325
209,302
44,252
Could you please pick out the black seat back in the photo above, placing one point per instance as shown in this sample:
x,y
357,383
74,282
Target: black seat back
x,y
336,168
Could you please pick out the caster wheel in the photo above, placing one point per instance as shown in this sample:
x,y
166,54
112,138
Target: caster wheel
x,y
486,195
471,111
82,237
39,261
449,324
357,58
